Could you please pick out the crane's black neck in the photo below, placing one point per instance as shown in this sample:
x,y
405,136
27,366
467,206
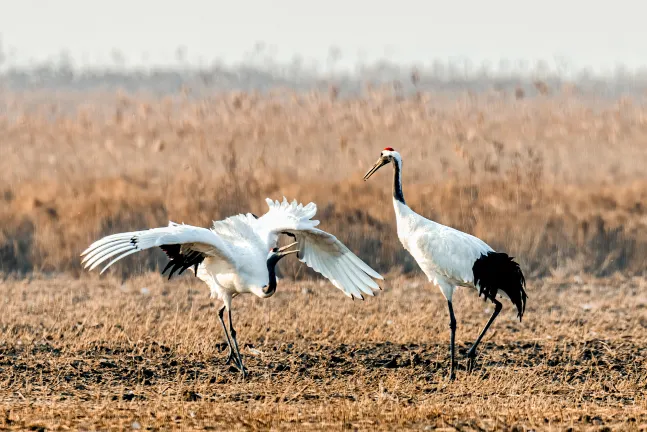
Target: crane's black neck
x,y
271,270
397,180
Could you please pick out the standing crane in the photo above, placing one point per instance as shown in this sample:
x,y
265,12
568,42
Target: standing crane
x,y
451,258
232,257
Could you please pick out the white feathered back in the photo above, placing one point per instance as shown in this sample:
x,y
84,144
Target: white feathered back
x,y
235,227
294,216
239,232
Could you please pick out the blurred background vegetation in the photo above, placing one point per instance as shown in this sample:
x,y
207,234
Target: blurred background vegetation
x,y
540,160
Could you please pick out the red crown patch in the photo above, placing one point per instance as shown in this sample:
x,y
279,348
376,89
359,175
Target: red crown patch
x,y
389,148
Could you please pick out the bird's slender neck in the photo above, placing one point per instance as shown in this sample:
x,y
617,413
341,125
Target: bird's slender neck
x,y
271,265
398,195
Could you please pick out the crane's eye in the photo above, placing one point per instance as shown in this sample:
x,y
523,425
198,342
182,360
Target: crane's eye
x,y
274,250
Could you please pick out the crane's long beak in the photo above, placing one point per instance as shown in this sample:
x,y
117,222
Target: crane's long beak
x,y
282,254
283,250
379,164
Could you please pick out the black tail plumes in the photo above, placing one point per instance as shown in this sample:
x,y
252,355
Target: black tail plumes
x,y
497,271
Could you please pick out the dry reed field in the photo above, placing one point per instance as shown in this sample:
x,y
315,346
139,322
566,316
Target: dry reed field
x,y
558,181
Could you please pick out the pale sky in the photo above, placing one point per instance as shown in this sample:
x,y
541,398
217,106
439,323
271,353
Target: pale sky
x,y
588,33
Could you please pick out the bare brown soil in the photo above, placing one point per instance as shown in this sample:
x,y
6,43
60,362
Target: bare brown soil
x,y
97,354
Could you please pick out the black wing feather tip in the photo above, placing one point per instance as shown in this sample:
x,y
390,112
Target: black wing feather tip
x,y
170,263
180,261
170,275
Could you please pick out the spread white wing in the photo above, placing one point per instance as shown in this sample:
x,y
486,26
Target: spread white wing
x,y
185,245
318,249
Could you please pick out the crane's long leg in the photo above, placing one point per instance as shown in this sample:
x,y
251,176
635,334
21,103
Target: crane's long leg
x,y
471,354
233,336
452,336
224,328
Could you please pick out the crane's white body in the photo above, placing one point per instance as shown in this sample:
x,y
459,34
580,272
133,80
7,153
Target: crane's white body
x,y
244,270
446,255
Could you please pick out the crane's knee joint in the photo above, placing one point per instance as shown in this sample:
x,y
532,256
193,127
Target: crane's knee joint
x,y
452,318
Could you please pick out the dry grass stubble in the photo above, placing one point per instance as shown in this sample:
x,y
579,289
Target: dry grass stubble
x,y
95,353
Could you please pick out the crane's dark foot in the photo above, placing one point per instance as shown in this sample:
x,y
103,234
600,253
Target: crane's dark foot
x,y
471,353
241,367
235,368
243,372
471,364
471,360
452,376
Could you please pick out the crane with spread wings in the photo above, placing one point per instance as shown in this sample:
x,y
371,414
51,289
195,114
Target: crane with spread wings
x,y
239,254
